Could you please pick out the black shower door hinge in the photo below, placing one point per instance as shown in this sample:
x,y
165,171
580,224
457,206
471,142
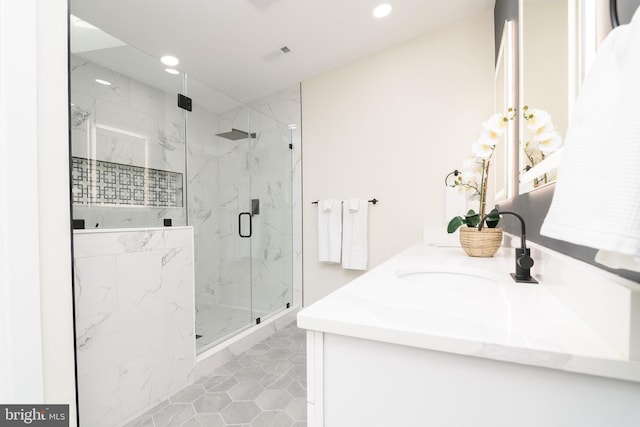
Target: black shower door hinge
x,y
290,146
184,102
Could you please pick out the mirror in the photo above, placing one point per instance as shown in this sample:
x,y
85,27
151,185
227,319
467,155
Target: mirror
x,y
622,11
545,57
503,167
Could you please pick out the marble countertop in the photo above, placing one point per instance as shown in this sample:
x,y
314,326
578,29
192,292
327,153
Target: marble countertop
x,y
495,319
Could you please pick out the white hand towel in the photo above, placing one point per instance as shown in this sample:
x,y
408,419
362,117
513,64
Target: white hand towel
x,y
329,231
327,205
355,252
597,196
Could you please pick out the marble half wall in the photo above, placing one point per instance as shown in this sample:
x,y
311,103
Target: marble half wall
x,y
135,339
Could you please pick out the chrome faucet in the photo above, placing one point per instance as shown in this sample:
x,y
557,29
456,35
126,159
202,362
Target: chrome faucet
x,y
524,262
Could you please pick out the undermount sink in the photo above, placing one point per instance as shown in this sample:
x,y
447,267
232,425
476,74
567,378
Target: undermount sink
x,y
435,276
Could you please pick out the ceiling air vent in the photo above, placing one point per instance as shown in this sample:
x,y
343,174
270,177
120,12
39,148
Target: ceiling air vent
x,y
272,56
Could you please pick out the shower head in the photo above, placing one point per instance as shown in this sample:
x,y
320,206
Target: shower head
x,y
236,134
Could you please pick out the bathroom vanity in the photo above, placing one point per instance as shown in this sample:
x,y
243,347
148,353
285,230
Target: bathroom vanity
x,y
432,337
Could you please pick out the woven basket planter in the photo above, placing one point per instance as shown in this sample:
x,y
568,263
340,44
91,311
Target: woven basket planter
x,y
483,243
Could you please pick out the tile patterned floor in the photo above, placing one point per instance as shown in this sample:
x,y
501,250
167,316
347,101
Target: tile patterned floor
x,y
263,387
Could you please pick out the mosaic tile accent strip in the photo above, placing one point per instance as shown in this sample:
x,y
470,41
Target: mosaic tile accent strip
x,y
96,182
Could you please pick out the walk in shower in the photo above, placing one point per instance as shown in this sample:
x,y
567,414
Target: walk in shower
x,y
140,160
240,205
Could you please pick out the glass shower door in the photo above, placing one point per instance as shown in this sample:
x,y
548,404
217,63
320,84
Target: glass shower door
x,y
219,207
272,242
240,206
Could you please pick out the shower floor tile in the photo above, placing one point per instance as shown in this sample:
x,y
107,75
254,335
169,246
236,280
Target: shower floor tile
x,y
215,323
264,386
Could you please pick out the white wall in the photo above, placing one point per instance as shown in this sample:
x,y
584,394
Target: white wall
x,y
36,340
391,126
21,294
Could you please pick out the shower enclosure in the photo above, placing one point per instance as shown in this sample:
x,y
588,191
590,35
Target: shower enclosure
x,y
239,203
218,165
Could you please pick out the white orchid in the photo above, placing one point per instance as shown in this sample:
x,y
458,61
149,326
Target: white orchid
x,y
471,166
466,187
547,138
548,142
537,120
467,182
544,140
473,180
483,148
470,177
495,126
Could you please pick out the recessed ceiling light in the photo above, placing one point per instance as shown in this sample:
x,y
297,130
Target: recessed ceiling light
x,y
382,10
103,82
170,61
172,71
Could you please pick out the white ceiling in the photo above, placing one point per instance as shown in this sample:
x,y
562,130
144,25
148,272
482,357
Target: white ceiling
x,y
223,42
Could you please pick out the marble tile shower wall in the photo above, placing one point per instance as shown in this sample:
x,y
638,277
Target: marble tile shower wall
x,y
134,297
128,123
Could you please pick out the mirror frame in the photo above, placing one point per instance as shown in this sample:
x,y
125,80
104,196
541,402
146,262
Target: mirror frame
x,y
507,59
621,11
613,12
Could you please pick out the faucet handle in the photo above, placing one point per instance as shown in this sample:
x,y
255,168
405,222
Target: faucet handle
x,y
525,261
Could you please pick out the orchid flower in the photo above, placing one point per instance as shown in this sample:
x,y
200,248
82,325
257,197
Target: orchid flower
x,y
473,180
537,119
483,148
548,142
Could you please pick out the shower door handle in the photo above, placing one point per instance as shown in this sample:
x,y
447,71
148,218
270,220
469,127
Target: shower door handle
x,y
240,224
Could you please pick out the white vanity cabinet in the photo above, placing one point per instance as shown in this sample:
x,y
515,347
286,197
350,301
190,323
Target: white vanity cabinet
x,y
354,382
376,359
